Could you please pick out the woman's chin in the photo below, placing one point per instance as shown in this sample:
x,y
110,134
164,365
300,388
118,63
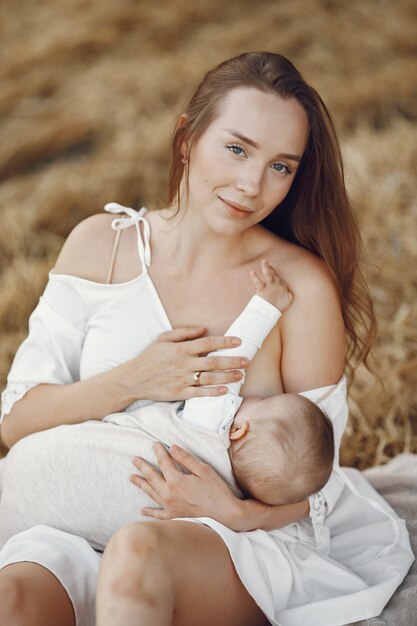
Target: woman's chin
x,y
223,225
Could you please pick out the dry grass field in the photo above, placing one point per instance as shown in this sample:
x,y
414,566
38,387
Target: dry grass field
x,y
89,94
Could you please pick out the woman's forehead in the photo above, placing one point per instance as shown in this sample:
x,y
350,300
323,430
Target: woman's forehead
x,y
262,117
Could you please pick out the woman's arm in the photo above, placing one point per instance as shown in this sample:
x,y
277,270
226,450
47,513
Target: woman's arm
x,y
312,329
252,514
49,405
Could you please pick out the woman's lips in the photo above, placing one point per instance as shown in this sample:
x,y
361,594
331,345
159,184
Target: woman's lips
x,y
235,211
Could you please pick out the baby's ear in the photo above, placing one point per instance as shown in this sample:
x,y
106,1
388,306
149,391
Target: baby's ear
x,y
237,432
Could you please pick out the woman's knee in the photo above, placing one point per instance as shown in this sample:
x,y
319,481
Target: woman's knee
x,y
140,540
137,558
12,599
32,596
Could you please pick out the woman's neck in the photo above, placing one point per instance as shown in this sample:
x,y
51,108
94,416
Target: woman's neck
x,y
191,246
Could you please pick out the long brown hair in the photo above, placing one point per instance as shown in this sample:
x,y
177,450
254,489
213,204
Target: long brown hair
x,y
316,213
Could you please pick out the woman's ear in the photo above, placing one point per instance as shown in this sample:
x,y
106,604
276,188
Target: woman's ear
x,y
182,118
184,147
237,432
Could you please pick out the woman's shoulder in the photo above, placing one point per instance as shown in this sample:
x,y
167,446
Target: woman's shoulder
x,y
304,271
86,246
87,250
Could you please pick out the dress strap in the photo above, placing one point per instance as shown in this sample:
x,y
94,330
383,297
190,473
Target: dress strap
x,y
120,223
113,257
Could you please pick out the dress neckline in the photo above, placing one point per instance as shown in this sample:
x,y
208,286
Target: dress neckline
x,y
325,391
71,277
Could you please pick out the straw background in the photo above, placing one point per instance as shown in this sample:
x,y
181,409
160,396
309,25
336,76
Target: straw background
x,y
90,91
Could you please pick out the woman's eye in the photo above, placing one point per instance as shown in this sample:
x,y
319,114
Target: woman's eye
x,y
235,149
280,167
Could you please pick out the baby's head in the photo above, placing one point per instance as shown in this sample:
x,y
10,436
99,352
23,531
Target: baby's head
x,y
281,448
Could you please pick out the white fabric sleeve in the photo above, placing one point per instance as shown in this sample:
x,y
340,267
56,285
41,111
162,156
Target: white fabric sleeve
x,y
251,326
333,401
51,351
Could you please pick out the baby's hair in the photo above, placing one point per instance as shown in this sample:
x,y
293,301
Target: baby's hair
x,y
291,456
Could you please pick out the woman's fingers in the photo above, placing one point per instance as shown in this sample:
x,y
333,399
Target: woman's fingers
x,y
192,463
152,476
165,462
183,333
211,344
216,370
197,346
199,392
217,363
221,363
213,382
145,486
195,490
218,378
156,513
165,369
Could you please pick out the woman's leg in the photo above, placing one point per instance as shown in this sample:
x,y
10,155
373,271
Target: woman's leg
x,y
171,573
31,595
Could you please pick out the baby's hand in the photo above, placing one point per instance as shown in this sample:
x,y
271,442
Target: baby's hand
x,y
272,287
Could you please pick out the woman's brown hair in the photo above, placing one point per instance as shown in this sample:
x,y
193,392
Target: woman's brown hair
x,y
316,213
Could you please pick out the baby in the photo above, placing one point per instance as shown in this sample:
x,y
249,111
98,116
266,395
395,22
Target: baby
x,y
281,448
76,477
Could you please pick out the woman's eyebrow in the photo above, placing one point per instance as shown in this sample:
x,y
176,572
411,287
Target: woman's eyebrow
x,y
254,144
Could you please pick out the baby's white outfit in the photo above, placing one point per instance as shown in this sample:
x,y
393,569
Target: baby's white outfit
x,y
216,414
80,329
76,477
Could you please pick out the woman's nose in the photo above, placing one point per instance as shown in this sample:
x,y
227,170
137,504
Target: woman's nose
x,y
250,182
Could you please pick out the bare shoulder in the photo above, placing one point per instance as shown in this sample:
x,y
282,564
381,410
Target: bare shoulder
x,y
306,274
87,250
309,275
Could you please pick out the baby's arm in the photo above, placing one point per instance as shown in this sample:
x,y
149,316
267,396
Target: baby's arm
x,y
252,326
271,287
258,318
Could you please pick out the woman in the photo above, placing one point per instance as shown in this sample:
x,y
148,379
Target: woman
x,y
254,145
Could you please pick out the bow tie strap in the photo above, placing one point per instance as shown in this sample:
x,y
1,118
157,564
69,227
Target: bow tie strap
x,y
122,222
134,218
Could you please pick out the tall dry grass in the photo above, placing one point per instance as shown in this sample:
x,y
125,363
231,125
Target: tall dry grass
x,y
90,91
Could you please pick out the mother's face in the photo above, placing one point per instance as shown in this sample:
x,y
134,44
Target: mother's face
x,y
248,156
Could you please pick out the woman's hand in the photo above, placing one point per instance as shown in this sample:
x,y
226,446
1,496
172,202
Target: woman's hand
x,y
202,493
165,369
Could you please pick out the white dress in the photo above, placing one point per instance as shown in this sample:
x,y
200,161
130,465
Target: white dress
x,y
75,477
362,550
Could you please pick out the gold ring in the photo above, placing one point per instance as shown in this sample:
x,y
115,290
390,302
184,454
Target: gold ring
x,y
196,377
